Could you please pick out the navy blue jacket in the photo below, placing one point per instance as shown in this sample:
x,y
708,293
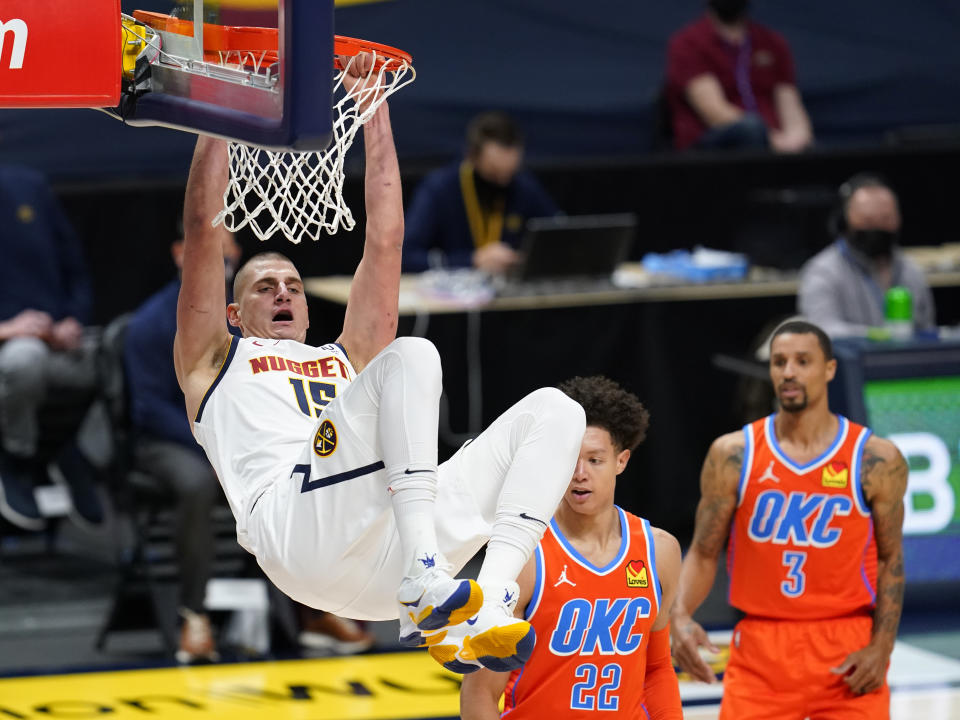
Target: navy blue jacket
x,y
157,408
437,217
41,260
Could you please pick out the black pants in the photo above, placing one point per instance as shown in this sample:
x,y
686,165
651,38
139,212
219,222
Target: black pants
x,y
186,474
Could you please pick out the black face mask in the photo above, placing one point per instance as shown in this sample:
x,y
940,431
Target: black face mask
x,y
729,11
873,243
488,193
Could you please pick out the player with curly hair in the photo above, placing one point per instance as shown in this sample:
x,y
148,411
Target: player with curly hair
x,y
597,590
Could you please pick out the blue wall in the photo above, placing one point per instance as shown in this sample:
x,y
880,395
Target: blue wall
x,y
581,77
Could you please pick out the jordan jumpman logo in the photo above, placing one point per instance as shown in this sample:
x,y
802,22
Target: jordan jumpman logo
x,y
768,474
564,579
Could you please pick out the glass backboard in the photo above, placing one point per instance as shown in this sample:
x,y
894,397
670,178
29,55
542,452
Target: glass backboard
x,y
257,71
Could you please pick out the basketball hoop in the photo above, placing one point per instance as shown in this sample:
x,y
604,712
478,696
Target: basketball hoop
x,y
292,192
301,193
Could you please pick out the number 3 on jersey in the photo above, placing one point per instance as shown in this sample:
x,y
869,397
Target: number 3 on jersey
x,y
796,580
321,393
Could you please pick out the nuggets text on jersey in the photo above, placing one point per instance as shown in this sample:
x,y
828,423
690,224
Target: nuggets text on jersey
x,y
327,367
268,399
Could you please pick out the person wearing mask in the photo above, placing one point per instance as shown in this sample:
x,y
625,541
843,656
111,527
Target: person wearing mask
x,y
473,212
842,288
731,83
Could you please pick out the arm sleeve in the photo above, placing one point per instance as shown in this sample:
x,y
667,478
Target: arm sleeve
x,y
660,688
420,228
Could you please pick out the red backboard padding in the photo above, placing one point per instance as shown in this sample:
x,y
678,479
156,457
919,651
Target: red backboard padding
x,y
60,53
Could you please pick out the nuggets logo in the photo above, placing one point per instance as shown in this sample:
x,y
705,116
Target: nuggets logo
x,y
637,574
325,441
835,475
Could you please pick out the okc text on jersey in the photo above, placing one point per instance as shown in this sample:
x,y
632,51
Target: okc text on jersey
x,y
604,626
798,518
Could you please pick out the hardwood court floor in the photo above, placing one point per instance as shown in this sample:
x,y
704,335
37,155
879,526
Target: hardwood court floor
x,y
388,686
51,610
925,684
942,704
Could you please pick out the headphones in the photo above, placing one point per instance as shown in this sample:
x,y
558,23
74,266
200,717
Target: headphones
x,y
837,222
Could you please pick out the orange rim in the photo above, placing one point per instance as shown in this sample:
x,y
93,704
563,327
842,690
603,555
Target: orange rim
x,y
264,41
393,57
261,43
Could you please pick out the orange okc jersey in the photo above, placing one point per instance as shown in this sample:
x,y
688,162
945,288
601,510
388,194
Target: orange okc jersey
x,y
593,625
802,544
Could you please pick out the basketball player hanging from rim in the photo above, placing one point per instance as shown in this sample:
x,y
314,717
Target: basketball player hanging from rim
x,y
328,455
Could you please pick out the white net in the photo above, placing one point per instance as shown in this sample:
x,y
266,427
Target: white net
x,y
300,194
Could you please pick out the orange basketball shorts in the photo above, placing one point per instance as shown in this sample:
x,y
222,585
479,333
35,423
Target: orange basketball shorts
x,y
780,670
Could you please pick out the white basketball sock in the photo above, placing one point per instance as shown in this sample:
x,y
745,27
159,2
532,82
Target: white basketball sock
x,y
545,441
413,495
516,532
410,386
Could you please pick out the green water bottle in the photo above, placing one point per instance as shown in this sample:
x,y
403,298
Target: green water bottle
x,y
898,311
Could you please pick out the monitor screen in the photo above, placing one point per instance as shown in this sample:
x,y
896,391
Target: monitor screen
x,y
921,415
575,246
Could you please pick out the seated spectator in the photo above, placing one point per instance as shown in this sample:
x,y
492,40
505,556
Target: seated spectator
x,y
165,448
842,288
731,83
47,355
473,212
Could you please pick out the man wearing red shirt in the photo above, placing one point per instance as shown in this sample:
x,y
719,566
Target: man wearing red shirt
x,y
731,83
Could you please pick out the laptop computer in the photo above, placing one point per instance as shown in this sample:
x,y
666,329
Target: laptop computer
x,y
578,252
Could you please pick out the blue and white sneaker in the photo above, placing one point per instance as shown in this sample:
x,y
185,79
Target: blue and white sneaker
x,y
432,601
493,638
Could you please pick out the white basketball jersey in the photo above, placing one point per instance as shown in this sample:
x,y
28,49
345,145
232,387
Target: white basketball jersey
x,y
262,408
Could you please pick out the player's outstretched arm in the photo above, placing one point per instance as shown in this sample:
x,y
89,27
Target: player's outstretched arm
x,y
883,477
719,479
370,323
661,691
202,337
480,694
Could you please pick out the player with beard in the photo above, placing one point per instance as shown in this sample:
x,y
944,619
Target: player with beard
x,y
328,455
813,507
